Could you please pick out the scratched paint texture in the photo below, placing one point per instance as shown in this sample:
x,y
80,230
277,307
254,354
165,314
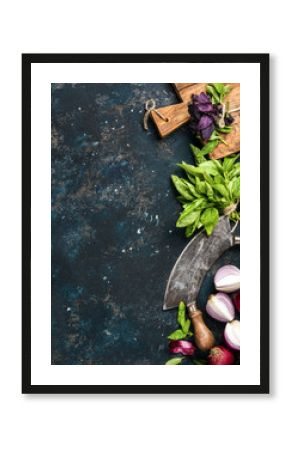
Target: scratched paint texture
x,y
113,215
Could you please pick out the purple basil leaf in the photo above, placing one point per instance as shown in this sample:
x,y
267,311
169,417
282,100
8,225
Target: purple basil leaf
x,y
203,98
206,108
204,122
203,103
194,112
203,115
207,132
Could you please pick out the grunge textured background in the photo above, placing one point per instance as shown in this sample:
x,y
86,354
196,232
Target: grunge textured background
x,y
114,239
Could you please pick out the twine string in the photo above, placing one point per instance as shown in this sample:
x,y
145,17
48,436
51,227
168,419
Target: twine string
x,y
150,106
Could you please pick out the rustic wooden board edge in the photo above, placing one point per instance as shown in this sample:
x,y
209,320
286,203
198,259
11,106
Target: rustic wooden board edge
x,y
176,115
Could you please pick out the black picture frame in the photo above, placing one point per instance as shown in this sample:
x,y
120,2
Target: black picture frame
x,y
27,61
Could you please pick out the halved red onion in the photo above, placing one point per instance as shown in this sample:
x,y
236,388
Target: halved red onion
x,y
181,346
232,334
220,307
227,279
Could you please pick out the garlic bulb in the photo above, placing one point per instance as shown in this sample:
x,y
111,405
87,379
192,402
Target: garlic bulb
x,y
220,307
227,279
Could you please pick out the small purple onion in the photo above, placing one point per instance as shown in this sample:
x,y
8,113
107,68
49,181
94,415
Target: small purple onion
x,y
181,346
220,307
232,334
227,279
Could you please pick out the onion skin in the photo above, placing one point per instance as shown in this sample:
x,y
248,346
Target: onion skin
x,y
227,279
220,356
220,307
236,300
186,348
232,334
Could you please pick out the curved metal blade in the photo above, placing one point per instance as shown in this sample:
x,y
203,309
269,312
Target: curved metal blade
x,y
193,263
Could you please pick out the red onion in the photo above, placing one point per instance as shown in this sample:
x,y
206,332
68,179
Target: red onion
x,y
183,347
220,307
220,355
227,279
236,300
232,334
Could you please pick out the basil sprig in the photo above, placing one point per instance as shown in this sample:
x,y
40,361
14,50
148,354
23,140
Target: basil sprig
x,y
184,323
218,91
211,189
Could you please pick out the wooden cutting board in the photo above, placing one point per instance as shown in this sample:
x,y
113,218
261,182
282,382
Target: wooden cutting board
x,y
174,116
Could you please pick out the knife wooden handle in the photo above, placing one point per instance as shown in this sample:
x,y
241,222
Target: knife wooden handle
x,y
204,338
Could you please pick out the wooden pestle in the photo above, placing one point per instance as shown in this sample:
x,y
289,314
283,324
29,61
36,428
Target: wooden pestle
x,y
204,338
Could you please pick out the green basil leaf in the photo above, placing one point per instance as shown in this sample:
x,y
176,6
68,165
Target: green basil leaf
x,y
234,187
235,172
219,87
200,186
221,189
219,179
192,170
218,165
190,207
197,155
225,130
199,362
191,178
190,229
214,135
181,187
174,361
209,147
181,313
194,149
176,335
209,191
198,204
192,189
229,162
209,167
186,326
208,179
187,217
209,219
181,318
211,91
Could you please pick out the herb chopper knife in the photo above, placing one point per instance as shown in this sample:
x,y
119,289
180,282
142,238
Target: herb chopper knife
x,y
189,271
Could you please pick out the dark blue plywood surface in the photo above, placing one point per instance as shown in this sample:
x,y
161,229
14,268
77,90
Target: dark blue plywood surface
x,y
114,240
